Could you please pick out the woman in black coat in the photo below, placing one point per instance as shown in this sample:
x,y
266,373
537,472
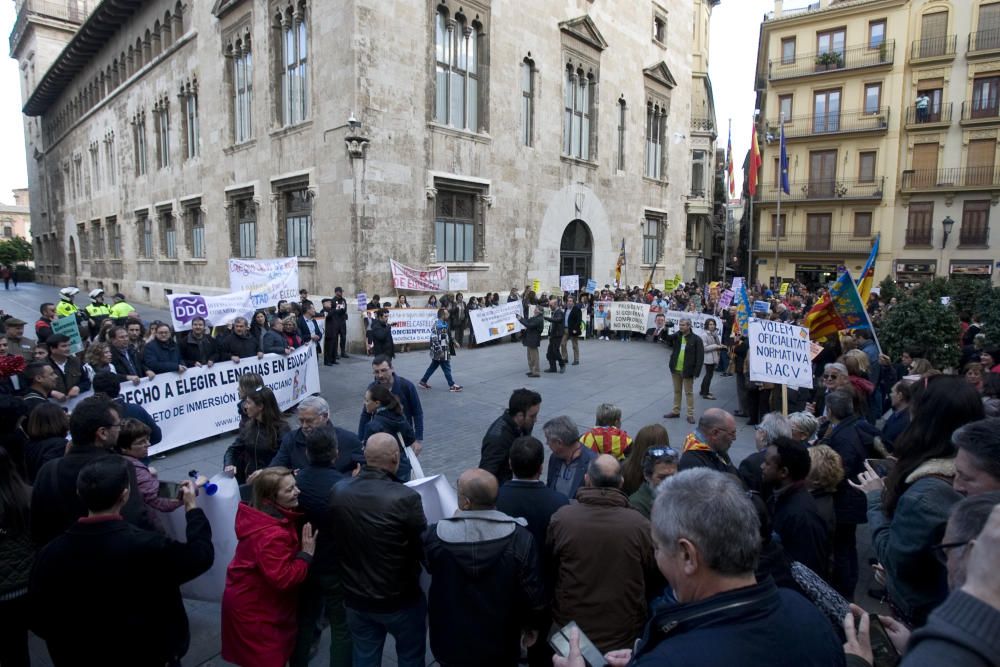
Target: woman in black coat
x,y
259,438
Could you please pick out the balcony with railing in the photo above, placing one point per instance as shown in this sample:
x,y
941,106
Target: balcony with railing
x,y
952,179
931,118
984,42
702,124
825,190
942,47
804,242
833,123
980,112
823,62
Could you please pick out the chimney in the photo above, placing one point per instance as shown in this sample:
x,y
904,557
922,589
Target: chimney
x,y
823,4
778,8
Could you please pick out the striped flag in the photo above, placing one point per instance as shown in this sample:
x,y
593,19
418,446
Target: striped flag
x,y
755,162
823,320
867,278
620,263
729,163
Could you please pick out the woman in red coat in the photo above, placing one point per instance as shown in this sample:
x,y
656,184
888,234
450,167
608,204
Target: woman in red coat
x,y
261,597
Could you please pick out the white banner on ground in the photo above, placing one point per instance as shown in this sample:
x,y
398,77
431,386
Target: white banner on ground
x,y
780,353
202,402
569,283
217,310
496,321
412,325
405,277
268,280
697,320
458,281
629,316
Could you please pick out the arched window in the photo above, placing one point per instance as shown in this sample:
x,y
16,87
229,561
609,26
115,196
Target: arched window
x,y
292,62
579,100
167,30
656,127
456,49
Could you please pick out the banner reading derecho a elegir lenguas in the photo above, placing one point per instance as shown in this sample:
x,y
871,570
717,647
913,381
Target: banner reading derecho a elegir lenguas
x,y
202,402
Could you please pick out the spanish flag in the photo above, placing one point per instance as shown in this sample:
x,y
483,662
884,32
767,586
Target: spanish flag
x,y
755,162
867,278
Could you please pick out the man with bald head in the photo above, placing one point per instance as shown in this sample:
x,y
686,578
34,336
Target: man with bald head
x,y
378,523
708,445
486,584
605,590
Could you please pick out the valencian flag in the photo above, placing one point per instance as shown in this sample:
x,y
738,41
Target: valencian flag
x,y
867,278
729,163
742,320
755,162
784,164
620,263
847,303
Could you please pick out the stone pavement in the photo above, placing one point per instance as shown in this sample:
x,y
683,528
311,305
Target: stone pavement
x,y
631,375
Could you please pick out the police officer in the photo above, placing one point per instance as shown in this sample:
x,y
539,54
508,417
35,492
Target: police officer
x,y
97,311
120,309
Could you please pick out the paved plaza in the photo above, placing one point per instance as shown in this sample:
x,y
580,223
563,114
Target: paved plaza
x,y
631,375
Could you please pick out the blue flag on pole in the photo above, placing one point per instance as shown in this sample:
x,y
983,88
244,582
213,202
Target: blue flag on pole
x,y
784,164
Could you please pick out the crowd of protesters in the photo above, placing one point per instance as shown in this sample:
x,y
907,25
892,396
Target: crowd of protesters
x,y
624,549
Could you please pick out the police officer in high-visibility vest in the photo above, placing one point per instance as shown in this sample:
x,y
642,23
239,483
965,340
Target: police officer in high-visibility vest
x,y
97,311
66,308
120,309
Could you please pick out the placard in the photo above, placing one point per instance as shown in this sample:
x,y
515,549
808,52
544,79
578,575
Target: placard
x,y
268,280
726,298
780,353
591,286
629,316
536,286
496,321
458,281
362,302
217,310
69,327
569,283
783,290
737,284
412,325
417,280
761,306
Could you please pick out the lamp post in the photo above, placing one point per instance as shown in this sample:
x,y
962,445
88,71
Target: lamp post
x,y
946,225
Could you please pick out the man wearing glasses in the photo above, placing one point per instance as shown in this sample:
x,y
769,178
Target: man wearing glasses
x,y
708,445
55,505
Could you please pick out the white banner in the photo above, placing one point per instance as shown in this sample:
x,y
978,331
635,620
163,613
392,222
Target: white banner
x,y
458,281
629,316
405,277
202,402
675,316
218,310
412,325
780,353
569,283
268,280
496,321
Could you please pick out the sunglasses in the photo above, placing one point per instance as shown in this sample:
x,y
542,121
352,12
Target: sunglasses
x,y
662,452
830,377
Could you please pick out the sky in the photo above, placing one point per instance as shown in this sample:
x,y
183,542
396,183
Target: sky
x,y
735,30
732,59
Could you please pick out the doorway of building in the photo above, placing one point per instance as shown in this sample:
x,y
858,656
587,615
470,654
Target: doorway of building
x,y
576,252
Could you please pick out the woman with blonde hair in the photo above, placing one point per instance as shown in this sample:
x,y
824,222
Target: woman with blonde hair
x,y
97,359
651,436
260,602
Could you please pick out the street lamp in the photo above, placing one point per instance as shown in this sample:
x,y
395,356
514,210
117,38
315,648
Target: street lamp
x,y
946,224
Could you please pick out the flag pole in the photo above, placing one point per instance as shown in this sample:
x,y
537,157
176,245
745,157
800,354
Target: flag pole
x,y
781,186
729,188
750,196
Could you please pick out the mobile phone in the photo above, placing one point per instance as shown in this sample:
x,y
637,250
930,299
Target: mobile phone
x,y
882,467
559,641
883,651
169,490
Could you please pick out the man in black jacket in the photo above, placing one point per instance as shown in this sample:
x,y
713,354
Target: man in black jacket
x,y
198,348
124,358
107,592
556,331
519,419
335,333
532,338
794,515
486,586
379,523
686,361
55,504
239,344
574,322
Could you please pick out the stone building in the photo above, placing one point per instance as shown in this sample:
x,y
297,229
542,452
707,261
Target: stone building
x,y
507,140
15,219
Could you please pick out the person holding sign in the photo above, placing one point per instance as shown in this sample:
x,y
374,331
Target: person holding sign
x,y
686,361
532,338
574,324
556,332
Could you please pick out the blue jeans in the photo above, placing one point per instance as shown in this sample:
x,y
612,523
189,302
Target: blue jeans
x,y
723,366
408,626
445,366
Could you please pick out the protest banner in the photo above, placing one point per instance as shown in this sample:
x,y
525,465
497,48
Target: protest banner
x,y
217,310
737,284
675,316
761,306
726,298
496,321
202,401
412,325
268,280
536,285
629,316
68,326
591,285
362,302
458,281
780,353
416,280
569,283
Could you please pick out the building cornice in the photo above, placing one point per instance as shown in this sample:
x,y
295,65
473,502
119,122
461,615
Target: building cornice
x,y
844,8
92,36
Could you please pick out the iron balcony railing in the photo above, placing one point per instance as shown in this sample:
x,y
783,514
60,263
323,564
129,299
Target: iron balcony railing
x,y
843,122
984,40
806,242
981,110
933,47
825,190
969,178
930,115
699,124
852,57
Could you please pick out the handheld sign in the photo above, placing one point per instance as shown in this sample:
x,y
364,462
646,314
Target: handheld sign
x,y
569,283
780,353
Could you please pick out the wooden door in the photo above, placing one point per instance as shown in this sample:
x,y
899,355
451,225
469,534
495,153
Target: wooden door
x,y
822,173
982,154
925,158
933,31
